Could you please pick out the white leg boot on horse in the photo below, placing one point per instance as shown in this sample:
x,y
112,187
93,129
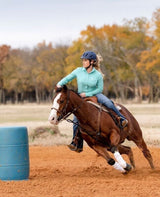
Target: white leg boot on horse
x,y
114,138
102,151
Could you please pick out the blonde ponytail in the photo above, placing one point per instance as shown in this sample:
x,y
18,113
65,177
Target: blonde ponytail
x,y
97,63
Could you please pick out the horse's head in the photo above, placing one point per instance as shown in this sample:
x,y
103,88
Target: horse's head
x,y
59,106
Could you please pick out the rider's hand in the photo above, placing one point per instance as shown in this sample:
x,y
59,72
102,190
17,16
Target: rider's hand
x,y
83,95
58,86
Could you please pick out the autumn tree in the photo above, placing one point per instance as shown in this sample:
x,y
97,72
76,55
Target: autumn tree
x,y
130,53
4,52
149,63
120,47
150,69
16,74
48,65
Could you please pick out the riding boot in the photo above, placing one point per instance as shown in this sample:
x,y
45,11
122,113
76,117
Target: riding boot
x,y
77,142
110,105
72,146
78,146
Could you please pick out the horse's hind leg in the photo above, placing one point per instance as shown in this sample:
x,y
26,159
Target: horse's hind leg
x,y
128,151
143,147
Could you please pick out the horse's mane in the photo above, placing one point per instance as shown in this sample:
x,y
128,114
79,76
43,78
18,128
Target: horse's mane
x,y
59,89
75,92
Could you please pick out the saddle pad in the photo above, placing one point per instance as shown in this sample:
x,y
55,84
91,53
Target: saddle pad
x,y
102,107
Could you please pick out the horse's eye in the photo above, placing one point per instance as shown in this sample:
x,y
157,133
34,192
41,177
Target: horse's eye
x,y
62,101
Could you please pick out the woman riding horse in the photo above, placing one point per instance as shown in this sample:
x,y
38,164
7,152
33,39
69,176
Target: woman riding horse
x,y
98,128
90,83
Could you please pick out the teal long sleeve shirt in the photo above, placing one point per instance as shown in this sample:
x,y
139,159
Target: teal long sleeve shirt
x,y
88,83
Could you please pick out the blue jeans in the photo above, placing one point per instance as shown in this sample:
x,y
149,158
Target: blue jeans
x,y
75,130
108,103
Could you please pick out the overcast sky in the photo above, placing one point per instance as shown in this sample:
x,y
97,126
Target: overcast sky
x,y
24,23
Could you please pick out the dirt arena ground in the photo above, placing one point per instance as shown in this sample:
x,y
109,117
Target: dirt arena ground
x,y
57,171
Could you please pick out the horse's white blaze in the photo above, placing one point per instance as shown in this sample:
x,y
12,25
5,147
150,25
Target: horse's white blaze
x,y
120,160
53,114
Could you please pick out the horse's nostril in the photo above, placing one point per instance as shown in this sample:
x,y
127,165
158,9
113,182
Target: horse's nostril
x,y
53,118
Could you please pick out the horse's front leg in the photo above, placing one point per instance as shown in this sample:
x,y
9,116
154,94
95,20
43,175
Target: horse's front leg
x,y
114,139
102,151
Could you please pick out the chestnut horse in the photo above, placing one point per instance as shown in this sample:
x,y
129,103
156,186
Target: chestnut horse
x,y
99,130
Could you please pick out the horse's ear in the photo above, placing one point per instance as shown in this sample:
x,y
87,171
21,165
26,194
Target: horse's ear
x,y
65,88
57,89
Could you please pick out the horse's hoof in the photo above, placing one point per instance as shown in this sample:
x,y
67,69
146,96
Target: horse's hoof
x,y
127,169
125,173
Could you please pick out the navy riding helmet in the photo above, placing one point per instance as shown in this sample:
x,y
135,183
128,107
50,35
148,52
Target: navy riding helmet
x,y
89,55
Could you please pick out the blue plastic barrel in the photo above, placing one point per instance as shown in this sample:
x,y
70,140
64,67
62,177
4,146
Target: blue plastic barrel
x,y
14,153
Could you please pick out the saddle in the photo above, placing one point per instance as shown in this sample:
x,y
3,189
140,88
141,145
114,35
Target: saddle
x,y
114,116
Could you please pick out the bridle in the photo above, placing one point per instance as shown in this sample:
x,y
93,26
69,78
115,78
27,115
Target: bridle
x,y
63,113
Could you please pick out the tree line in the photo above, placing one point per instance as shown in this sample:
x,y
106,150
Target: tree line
x,y
129,58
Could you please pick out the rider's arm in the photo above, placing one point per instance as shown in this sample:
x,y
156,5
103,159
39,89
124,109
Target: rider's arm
x,y
67,79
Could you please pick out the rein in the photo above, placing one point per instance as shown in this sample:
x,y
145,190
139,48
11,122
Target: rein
x,y
63,115
98,136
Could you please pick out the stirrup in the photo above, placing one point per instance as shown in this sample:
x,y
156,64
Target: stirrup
x,y
72,147
124,123
79,150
